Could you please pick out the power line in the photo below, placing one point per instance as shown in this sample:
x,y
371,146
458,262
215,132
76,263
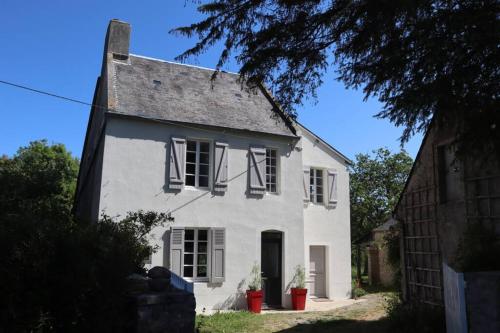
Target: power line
x,y
50,94
68,99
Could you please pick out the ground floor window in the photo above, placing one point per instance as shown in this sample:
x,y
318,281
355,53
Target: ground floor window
x,y
198,254
195,253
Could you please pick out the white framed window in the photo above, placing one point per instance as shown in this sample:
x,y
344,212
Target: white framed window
x,y
271,170
316,185
197,163
196,244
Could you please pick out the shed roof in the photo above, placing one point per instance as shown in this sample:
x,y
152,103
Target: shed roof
x,y
161,90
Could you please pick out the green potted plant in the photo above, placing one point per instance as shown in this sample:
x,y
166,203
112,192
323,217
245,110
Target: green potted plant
x,y
254,292
299,292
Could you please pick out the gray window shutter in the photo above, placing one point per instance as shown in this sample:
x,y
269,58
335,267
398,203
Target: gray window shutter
x,y
218,265
257,170
220,177
177,156
332,188
306,183
176,250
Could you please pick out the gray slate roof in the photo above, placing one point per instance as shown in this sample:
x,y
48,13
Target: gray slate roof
x,y
387,225
167,91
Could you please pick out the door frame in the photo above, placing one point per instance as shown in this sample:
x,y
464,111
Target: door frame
x,y
326,248
282,261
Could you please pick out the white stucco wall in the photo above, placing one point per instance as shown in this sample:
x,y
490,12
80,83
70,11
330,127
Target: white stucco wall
x,y
134,176
329,227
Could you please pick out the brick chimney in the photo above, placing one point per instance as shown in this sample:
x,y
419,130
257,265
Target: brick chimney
x,y
117,40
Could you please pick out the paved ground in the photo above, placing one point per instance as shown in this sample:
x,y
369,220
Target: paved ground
x,y
318,305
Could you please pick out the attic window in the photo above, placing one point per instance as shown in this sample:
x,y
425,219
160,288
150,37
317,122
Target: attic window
x,y
157,84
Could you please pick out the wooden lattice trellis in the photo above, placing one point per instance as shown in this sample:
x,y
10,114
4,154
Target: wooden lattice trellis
x,y
421,247
483,201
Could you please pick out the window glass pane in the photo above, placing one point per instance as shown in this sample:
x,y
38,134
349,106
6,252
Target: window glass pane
x,y
188,271
203,181
204,158
202,271
190,168
273,188
191,146
190,157
273,153
202,259
190,180
319,198
202,234
188,259
189,234
188,247
202,247
204,170
204,146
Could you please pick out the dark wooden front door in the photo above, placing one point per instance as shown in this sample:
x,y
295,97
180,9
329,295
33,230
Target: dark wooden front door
x,y
271,268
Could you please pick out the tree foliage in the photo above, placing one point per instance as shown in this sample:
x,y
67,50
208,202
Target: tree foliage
x,y
376,183
56,273
420,58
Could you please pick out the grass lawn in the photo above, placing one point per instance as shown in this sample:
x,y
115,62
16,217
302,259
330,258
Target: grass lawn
x,y
368,316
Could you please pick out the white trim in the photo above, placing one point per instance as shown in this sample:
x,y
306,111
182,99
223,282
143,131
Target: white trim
x,y
325,144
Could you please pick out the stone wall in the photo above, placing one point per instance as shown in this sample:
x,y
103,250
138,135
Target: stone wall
x,y
171,311
158,306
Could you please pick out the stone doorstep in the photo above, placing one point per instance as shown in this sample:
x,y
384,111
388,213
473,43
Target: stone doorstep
x,y
312,305
319,305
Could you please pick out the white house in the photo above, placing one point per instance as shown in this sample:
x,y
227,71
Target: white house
x,y
244,183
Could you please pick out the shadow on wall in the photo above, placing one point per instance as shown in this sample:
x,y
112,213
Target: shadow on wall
x,y
236,301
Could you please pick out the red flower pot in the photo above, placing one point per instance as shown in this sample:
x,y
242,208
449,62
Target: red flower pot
x,y
299,298
254,300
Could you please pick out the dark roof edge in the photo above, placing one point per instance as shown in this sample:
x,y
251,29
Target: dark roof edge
x,y
424,141
197,126
329,146
87,132
277,108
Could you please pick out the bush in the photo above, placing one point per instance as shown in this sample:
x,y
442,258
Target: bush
x,y
66,276
413,318
357,291
56,273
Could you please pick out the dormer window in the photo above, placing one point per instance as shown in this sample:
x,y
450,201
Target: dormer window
x,y
197,163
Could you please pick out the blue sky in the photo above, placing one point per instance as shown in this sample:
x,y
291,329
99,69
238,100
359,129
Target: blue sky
x,y
57,45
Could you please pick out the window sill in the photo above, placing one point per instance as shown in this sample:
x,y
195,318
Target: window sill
x,y
197,189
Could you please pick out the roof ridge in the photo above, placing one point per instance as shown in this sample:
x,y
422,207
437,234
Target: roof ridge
x,y
182,64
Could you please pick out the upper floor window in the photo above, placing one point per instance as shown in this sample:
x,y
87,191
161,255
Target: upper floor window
x,y
316,185
197,163
271,167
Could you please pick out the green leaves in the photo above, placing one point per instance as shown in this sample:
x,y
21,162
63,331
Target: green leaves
x,y
419,58
376,182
